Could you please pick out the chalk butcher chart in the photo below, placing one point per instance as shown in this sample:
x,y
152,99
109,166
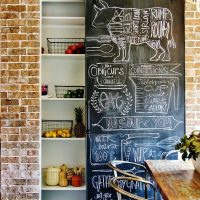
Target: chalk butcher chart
x,y
133,26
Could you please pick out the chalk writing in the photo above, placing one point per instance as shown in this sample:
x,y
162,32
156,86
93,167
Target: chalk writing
x,y
147,69
137,123
168,143
135,151
153,94
117,101
108,75
104,148
133,26
100,182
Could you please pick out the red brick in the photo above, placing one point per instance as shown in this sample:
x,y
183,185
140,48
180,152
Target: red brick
x,y
27,88
16,8
9,102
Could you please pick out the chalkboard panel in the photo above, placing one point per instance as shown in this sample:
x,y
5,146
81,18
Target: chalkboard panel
x,y
135,84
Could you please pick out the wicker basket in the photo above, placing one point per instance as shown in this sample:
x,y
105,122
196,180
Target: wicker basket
x,y
69,91
61,45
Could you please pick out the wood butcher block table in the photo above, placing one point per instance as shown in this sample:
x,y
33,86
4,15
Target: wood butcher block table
x,y
177,180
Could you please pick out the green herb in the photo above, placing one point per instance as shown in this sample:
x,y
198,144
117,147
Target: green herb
x,y
189,146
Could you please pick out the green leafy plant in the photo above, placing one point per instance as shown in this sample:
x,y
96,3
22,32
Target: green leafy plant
x,y
190,146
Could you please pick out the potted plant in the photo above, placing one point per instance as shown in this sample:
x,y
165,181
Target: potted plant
x,y
190,148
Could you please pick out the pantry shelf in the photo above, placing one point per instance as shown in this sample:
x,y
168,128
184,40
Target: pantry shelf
x,y
58,1
68,188
64,139
63,21
62,99
63,55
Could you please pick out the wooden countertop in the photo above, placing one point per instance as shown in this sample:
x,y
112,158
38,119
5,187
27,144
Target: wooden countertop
x,y
177,180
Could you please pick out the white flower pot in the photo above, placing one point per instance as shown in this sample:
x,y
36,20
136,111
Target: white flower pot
x,y
197,164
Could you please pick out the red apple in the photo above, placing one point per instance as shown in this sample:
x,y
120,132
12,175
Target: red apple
x,y
70,46
68,51
78,51
73,48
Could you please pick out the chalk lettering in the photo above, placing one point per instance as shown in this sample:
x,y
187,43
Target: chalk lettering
x,y
137,123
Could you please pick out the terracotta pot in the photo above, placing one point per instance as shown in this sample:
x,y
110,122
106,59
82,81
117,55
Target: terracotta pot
x,y
197,164
76,180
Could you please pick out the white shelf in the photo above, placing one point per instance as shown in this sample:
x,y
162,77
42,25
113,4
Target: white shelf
x,y
64,139
62,99
63,21
68,188
57,1
64,55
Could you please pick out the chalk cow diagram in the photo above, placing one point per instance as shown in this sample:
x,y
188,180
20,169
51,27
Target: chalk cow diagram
x,y
133,26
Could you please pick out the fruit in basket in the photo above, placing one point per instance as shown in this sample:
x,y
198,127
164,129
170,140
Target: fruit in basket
x,y
68,94
47,134
79,93
77,48
73,48
68,51
79,128
64,133
59,133
54,135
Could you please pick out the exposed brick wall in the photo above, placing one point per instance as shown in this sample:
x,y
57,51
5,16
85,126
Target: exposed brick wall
x,y
20,49
20,93
192,59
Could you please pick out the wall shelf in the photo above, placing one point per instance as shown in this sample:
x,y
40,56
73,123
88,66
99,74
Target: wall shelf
x,y
63,55
62,99
68,188
63,139
63,21
59,1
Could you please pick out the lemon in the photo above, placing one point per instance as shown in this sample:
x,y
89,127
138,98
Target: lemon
x,y
54,135
47,134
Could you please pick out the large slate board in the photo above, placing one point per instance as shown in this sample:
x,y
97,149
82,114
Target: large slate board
x,y
135,84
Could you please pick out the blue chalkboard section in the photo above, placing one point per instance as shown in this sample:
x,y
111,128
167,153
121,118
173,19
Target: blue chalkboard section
x,y
135,85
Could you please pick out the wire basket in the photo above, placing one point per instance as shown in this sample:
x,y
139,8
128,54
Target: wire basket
x,y
57,128
69,91
65,45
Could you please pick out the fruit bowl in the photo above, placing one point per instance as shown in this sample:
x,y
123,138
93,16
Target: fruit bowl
x,y
66,45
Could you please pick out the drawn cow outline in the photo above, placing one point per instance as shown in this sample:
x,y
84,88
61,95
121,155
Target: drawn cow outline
x,y
160,43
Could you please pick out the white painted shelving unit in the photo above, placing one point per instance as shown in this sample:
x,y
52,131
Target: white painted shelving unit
x,y
62,19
